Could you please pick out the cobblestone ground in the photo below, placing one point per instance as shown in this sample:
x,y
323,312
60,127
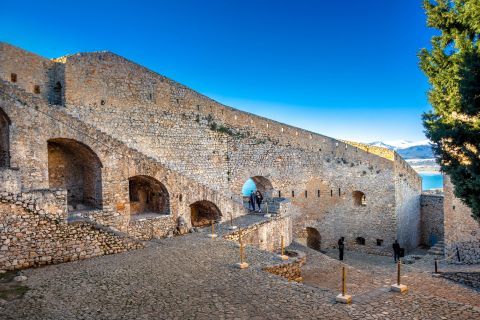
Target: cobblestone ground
x,y
194,277
370,276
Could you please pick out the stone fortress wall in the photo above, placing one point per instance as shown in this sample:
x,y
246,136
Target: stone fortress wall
x,y
432,222
462,232
141,123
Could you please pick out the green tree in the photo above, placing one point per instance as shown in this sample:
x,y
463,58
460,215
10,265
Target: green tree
x,y
452,66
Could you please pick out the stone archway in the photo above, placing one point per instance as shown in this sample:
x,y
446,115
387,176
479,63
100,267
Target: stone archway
x,y
263,185
314,240
203,212
73,166
148,196
4,140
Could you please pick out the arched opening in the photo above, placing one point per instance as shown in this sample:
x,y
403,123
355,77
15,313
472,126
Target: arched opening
x,y
148,196
314,240
203,212
257,183
4,140
75,167
57,98
359,198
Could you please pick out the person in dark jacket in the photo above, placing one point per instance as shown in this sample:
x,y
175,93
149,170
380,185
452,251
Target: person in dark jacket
x,y
396,250
251,201
341,247
259,199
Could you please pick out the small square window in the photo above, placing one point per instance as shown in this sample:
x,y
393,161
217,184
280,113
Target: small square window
x,y
36,89
13,77
379,242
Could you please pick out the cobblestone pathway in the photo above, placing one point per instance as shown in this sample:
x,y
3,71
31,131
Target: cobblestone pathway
x,y
370,276
194,277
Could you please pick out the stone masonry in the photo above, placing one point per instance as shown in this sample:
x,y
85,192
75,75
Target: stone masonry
x,y
138,152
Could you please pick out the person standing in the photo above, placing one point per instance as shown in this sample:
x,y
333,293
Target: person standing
x,y
341,247
251,201
396,250
259,198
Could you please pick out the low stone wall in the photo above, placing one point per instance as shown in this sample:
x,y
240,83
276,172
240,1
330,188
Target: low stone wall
x,y
266,235
432,217
471,279
30,237
291,269
152,228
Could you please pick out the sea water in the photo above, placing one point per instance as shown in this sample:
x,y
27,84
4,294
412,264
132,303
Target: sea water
x,y
431,181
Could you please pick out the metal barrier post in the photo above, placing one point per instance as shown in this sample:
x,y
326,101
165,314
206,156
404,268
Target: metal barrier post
x,y
344,297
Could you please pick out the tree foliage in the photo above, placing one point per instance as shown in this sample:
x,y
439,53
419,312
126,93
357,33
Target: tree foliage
x,y
452,66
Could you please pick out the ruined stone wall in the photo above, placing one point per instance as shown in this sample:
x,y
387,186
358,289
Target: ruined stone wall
x,y
461,230
30,237
432,219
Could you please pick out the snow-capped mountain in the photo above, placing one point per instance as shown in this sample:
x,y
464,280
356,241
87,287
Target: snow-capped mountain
x,y
408,149
418,154
400,144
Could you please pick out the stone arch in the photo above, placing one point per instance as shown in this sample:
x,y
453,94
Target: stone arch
x,y
314,239
75,167
4,139
359,198
264,186
203,212
148,196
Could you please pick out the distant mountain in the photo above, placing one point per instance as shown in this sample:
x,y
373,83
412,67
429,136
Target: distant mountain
x,y
408,149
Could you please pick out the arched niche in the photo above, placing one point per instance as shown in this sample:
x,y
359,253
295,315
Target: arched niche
x,y
147,196
203,213
75,167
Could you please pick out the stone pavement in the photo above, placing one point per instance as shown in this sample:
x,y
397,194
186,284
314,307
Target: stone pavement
x,y
194,277
370,276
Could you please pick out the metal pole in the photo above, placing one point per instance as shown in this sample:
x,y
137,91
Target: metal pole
x,y
241,245
398,272
344,285
282,245
436,266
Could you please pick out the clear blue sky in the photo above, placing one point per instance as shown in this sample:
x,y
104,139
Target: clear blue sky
x,y
347,69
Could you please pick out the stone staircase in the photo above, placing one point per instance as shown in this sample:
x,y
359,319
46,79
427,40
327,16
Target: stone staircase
x,y
438,249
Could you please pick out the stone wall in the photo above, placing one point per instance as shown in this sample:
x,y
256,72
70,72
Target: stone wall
x,y
31,236
461,230
291,269
266,235
432,214
29,70
29,150
223,147
407,204
202,147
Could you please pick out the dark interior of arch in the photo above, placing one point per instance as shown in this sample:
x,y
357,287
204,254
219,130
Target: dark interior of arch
x,y
148,195
264,186
203,212
314,240
75,167
4,140
359,198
